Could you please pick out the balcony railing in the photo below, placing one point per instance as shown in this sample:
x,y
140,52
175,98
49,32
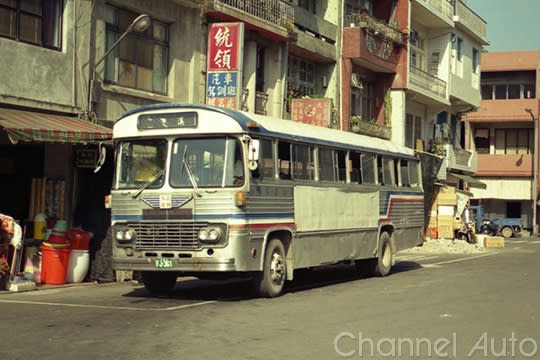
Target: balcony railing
x,y
470,19
274,11
444,8
373,26
428,82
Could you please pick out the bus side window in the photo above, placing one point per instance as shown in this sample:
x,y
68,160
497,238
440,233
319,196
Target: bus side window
x,y
389,175
404,172
414,175
356,167
303,168
369,174
326,164
341,170
266,160
284,159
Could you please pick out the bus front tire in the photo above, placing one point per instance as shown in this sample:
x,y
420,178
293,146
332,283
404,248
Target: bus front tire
x,y
269,282
159,282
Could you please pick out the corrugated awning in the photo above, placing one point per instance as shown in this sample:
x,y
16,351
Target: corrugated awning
x,y
34,126
470,180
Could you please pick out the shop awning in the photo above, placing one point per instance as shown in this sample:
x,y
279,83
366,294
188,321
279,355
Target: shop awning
x,y
35,126
470,180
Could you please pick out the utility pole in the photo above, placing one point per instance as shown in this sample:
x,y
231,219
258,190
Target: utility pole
x,y
535,173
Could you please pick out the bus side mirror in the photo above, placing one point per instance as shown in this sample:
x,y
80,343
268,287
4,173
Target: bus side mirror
x,y
102,156
253,154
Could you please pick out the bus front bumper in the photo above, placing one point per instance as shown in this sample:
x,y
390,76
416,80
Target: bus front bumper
x,y
186,265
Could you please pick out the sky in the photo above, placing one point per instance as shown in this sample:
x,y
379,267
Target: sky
x,y
512,25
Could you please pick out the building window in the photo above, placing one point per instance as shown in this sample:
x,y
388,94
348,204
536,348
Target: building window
x,y
475,60
513,141
362,100
508,90
301,78
481,140
459,49
413,130
140,61
35,22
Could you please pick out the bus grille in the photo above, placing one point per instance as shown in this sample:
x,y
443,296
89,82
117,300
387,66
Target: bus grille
x,y
159,235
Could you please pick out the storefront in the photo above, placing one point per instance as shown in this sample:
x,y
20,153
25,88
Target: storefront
x,y
47,164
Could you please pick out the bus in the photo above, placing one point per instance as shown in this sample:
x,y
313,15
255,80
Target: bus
x,y
215,193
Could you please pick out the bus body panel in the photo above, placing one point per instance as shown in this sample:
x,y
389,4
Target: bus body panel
x,y
318,222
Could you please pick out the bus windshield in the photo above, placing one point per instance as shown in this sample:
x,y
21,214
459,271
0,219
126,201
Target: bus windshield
x,y
141,163
213,162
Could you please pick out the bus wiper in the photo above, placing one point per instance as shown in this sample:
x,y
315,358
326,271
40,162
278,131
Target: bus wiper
x,y
185,163
148,183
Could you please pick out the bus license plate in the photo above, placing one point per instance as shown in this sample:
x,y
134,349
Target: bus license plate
x,y
164,263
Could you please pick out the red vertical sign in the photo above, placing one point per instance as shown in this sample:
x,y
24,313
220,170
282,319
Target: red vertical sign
x,y
224,45
224,65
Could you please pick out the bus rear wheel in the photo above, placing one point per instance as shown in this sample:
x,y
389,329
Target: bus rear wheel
x,y
385,255
269,282
159,282
381,265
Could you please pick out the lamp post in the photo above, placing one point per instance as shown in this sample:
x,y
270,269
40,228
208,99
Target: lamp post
x,y
139,24
535,171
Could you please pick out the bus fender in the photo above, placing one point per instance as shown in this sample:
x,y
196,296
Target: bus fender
x,y
285,235
385,227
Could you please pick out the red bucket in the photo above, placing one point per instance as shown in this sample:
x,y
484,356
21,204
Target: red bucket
x,y
79,239
54,263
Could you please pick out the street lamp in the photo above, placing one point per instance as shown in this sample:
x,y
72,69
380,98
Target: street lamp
x,y
535,171
139,24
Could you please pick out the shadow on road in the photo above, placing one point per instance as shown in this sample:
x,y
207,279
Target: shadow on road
x,y
241,288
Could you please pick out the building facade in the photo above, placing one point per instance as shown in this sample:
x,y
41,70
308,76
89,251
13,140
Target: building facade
x,y
505,130
404,70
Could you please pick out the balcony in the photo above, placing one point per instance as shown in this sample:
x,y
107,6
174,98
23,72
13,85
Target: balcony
x,y
374,26
471,23
277,16
433,13
371,48
503,110
505,165
429,85
460,159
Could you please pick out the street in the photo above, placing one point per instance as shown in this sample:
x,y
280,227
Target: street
x,y
457,306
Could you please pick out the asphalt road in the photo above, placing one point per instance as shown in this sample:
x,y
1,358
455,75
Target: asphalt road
x,y
453,306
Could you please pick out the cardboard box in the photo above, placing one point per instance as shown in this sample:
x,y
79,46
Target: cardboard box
x,y
494,242
447,196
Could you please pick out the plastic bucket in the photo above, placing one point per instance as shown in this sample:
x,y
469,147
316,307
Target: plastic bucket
x,y
79,261
79,239
54,262
57,237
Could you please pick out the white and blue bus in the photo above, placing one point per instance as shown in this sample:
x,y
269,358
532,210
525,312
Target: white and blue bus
x,y
209,192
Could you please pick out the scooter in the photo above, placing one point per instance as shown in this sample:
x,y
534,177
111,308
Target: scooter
x,y
488,227
466,232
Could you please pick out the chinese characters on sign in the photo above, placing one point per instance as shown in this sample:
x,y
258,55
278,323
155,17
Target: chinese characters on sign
x,y
224,69
312,111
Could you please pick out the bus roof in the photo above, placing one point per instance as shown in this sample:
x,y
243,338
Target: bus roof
x,y
290,130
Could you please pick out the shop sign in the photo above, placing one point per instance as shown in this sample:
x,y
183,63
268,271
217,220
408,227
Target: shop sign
x,y
224,65
86,158
312,111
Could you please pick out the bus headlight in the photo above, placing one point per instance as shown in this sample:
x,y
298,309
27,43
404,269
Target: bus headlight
x,y
210,234
124,235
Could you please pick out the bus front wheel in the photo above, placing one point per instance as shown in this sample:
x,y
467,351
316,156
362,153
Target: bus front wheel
x,y
159,282
269,282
